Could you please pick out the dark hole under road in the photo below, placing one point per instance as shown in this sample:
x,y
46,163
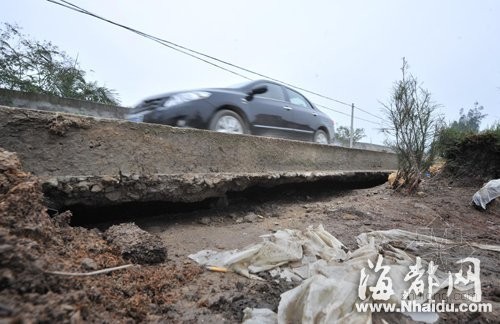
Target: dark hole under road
x,y
104,216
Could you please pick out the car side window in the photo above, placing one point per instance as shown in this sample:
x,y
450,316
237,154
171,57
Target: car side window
x,y
297,99
273,92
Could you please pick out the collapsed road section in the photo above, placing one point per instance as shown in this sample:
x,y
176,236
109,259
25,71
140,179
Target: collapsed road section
x,y
96,162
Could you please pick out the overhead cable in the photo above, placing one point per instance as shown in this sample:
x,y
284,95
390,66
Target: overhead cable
x,y
190,52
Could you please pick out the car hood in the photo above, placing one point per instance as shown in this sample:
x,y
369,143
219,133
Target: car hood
x,y
141,107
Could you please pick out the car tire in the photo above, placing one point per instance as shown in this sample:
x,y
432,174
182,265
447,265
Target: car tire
x,y
321,137
227,121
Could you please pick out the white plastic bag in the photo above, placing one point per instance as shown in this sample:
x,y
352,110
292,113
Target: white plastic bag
x,y
487,193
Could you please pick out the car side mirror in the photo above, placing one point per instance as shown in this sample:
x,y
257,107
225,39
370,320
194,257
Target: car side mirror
x,y
256,91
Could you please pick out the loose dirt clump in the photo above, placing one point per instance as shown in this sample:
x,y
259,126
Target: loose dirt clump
x,y
60,125
261,295
136,244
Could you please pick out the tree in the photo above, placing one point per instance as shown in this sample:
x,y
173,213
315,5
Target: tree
x,y
450,135
469,123
413,123
40,67
343,134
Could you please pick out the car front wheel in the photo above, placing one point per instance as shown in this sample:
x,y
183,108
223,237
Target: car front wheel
x,y
321,137
227,121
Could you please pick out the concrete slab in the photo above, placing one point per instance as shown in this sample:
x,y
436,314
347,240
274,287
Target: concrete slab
x,y
93,155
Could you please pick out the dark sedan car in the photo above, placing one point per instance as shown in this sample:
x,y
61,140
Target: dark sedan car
x,y
258,107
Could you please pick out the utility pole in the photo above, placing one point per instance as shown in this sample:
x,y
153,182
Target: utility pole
x,y
352,127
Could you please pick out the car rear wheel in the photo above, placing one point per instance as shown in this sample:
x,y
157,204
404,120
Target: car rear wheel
x,y
227,121
321,137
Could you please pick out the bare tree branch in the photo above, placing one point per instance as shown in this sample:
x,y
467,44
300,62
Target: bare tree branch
x,y
411,113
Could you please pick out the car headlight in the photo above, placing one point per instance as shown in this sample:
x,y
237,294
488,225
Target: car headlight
x,y
184,97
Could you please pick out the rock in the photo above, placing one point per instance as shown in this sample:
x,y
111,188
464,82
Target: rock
x,y
6,277
134,196
52,182
83,185
62,219
250,218
136,244
204,220
420,194
109,179
113,196
238,220
349,217
96,188
89,264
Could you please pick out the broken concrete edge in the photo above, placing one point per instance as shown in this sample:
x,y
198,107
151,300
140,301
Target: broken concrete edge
x,y
187,188
57,144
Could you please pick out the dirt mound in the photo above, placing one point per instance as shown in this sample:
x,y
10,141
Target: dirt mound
x,y
21,200
25,230
476,157
32,245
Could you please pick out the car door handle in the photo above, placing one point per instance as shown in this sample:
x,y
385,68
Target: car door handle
x,y
314,114
287,108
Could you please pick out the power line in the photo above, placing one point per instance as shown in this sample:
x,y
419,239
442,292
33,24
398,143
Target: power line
x,y
339,112
369,113
366,120
164,43
189,51
345,114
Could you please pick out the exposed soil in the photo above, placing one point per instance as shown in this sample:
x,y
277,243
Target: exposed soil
x,y
32,244
476,157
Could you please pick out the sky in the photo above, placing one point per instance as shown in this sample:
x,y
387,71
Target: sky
x,y
348,50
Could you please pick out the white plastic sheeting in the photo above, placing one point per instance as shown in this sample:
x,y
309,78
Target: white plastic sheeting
x,y
487,193
296,249
329,275
259,316
414,241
